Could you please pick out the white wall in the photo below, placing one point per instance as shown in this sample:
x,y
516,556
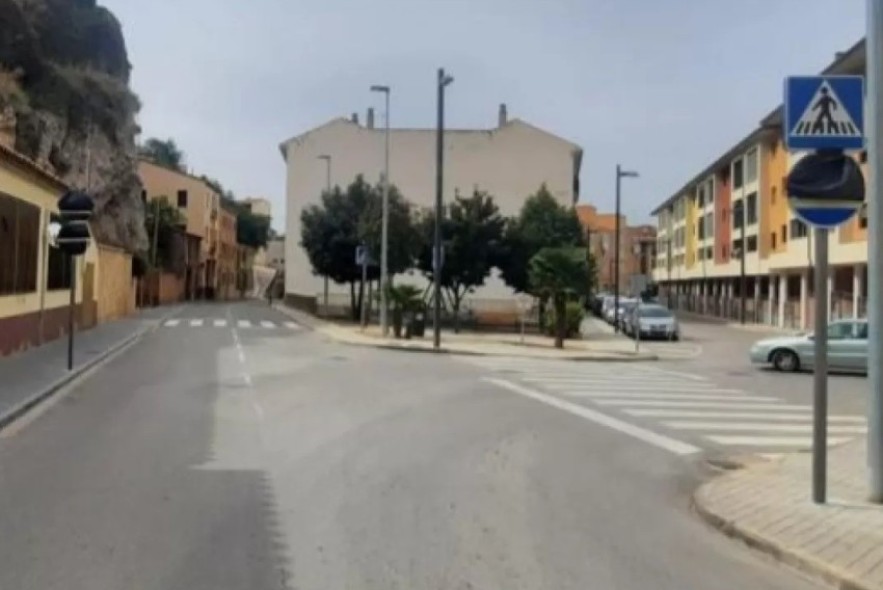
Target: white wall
x,y
510,162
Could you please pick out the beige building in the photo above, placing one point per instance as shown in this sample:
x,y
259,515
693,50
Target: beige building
x,y
259,206
200,207
510,161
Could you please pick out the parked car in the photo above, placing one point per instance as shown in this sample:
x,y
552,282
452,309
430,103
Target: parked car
x,y
847,349
625,310
596,304
607,309
652,321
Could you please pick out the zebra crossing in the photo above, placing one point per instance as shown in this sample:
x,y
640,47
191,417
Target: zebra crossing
x,y
680,406
223,323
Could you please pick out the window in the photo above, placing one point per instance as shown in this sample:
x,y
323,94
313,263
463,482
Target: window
x,y
751,166
709,252
737,247
709,191
784,233
702,228
861,331
738,215
751,209
737,173
798,229
773,240
751,243
700,197
841,330
709,225
19,243
182,199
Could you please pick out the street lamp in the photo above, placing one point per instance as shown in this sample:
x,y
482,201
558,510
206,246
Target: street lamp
x,y
620,174
384,269
327,159
443,81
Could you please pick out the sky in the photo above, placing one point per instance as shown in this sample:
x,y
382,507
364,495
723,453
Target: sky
x,y
661,86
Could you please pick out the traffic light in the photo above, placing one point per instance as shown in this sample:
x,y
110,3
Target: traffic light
x,y
75,210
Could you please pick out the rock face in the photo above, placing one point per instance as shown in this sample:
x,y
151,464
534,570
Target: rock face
x,y
65,102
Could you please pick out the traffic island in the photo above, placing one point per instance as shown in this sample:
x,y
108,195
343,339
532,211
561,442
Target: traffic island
x,y
768,506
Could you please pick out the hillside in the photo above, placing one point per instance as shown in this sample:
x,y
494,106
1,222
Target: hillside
x,y
65,101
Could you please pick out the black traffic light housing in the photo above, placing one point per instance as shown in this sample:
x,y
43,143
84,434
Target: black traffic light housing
x,y
75,209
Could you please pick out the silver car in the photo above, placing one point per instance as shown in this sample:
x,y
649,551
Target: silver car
x,y
652,321
847,349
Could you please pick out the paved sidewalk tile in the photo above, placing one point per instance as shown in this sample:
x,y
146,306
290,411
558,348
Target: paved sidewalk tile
x,y
34,371
768,506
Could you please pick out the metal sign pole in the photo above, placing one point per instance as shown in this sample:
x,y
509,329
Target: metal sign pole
x,y
820,367
874,109
364,281
72,262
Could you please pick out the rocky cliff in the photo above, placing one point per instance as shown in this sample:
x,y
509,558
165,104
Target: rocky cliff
x,y
65,102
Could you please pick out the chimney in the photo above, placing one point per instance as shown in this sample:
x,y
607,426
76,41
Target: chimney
x,y
369,119
355,118
504,115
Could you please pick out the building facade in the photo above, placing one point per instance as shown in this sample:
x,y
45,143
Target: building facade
x,y
510,161
228,254
728,244
200,208
637,250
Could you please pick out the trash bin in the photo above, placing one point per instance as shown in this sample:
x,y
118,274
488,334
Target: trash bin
x,y
417,324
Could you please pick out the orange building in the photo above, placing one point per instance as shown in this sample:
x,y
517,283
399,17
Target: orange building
x,y
637,249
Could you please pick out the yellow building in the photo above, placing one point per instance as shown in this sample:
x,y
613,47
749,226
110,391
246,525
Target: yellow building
x,y
728,244
35,278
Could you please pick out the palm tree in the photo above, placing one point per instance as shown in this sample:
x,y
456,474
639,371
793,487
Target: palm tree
x,y
559,274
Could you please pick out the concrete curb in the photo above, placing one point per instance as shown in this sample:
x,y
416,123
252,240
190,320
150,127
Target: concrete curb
x,y
27,405
783,554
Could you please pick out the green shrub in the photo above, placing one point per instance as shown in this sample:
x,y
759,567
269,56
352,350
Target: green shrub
x,y
573,319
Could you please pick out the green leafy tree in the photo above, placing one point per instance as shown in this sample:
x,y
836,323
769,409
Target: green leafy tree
x,y
559,275
252,230
164,152
162,224
542,223
332,230
471,234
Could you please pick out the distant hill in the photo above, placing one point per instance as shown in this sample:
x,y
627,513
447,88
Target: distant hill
x,y
65,100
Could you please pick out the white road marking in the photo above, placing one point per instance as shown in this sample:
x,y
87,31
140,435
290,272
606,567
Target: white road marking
x,y
292,325
244,324
613,380
172,323
268,324
720,405
771,441
756,427
764,416
646,369
672,396
663,442
220,323
624,386
195,323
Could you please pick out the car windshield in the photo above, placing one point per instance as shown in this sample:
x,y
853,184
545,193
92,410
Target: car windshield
x,y
655,312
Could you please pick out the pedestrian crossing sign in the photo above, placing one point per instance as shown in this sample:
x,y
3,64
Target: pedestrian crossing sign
x,y
824,112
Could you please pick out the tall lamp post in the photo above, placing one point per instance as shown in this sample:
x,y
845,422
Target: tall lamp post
x,y
443,81
620,174
384,239
327,159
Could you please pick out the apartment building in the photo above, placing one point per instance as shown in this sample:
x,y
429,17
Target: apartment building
x,y
200,208
728,244
510,161
637,250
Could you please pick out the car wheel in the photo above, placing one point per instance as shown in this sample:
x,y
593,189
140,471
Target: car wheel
x,y
785,361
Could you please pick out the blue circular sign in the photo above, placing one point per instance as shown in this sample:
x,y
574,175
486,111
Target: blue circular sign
x,y
825,189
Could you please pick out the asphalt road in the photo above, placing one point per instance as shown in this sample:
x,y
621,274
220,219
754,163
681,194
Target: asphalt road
x,y
213,456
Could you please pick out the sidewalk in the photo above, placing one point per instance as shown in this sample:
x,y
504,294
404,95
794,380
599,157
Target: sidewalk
x,y
768,506
600,346
31,376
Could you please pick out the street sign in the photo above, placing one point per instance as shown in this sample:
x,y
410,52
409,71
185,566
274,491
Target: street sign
x,y
824,112
826,189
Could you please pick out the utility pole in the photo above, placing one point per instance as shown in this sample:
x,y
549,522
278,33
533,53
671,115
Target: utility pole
x,y
443,80
742,251
874,114
384,240
327,159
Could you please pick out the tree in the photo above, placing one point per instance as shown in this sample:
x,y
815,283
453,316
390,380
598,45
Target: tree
x,y
164,152
542,223
162,223
559,274
251,230
331,232
471,235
